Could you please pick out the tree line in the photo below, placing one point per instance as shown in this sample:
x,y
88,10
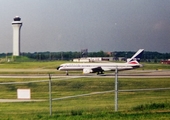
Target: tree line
x,y
45,56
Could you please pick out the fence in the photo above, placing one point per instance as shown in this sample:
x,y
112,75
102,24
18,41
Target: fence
x,y
50,84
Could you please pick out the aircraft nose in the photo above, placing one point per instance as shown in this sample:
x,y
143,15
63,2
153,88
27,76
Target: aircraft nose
x,y
58,67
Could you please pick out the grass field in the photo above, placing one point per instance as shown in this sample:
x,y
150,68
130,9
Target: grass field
x,y
54,64
132,105
31,65
143,105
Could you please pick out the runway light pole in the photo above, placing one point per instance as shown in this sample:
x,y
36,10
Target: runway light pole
x,y
50,98
116,89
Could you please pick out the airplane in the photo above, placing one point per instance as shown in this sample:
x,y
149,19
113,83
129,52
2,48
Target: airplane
x,y
99,68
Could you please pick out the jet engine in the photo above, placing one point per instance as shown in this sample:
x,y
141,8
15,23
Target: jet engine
x,y
86,71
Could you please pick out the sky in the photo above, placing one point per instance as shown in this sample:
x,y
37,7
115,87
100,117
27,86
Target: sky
x,y
72,25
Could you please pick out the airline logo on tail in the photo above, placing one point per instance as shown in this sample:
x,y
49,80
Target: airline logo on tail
x,y
133,62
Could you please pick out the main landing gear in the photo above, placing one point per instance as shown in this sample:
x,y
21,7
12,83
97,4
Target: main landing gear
x,y
67,73
100,73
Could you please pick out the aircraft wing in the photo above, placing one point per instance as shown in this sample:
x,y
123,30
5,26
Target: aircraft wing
x,y
97,69
106,69
93,70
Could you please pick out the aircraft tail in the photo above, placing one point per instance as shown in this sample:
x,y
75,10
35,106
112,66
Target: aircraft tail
x,y
136,57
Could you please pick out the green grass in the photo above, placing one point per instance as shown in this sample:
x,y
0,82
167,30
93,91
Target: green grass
x,y
54,64
132,105
31,65
152,106
143,105
155,66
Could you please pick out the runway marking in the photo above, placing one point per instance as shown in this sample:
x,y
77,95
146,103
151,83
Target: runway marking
x,y
19,100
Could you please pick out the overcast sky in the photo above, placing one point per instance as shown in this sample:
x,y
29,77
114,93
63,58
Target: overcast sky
x,y
72,25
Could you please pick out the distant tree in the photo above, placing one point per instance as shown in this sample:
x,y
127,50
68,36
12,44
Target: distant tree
x,y
147,56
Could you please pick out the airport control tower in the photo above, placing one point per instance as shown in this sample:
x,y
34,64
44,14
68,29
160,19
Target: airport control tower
x,y
16,24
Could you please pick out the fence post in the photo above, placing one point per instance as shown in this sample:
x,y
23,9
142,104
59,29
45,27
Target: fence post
x,y
50,98
116,89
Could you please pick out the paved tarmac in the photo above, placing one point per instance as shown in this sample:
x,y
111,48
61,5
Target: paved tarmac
x,y
19,100
122,74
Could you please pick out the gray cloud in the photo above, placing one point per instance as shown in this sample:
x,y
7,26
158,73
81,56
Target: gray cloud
x,y
71,25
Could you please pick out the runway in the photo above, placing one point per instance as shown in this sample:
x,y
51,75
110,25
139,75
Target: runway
x,y
121,74
19,100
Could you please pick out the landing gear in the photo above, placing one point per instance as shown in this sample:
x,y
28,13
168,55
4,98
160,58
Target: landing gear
x,y
100,72
67,73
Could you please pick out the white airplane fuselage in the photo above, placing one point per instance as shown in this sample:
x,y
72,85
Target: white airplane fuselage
x,y
92,67
99,68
